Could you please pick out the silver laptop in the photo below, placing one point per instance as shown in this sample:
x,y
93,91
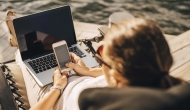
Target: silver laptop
x,y
35,35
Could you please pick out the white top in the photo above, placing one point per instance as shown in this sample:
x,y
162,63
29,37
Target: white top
x,y
76,84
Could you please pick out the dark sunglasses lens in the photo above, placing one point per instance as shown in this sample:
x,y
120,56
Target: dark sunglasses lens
x,y
98,59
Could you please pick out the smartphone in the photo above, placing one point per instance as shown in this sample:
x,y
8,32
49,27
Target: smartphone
x,y
62,55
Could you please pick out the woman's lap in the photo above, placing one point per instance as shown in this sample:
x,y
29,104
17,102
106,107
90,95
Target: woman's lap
x,y
34,91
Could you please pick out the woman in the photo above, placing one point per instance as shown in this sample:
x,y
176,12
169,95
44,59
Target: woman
x,y
135,53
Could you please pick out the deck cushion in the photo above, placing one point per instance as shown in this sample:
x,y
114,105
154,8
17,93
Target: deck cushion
x,y
20,84
136,98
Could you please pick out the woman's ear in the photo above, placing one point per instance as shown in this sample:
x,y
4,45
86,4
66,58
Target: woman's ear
x,y
117,80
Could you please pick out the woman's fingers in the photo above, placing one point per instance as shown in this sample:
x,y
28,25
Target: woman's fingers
x,y
66,73
74,57
70,65
58,79
57,73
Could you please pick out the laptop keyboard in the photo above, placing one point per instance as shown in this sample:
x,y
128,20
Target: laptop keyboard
x,y
77,52
47,62
43,63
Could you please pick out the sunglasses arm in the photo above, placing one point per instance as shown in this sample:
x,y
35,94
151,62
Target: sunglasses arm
x,y
89,45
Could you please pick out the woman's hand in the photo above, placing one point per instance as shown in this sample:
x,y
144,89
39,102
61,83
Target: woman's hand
x,y
59,79
81,69
78,65
49,100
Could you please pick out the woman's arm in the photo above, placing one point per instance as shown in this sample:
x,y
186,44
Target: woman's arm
x,y
95,72
85,71
48,101
81,69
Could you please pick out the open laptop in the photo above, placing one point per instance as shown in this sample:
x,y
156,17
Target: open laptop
x,y
35,35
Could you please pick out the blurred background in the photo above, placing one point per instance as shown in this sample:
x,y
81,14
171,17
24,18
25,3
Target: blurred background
x,y
173,16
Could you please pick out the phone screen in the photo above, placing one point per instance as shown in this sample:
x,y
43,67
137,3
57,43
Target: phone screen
x,y
62,56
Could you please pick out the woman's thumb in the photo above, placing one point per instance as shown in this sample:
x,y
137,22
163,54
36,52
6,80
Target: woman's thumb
x,y
70,65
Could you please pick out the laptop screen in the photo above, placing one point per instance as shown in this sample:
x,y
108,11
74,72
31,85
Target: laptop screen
x,y
37,32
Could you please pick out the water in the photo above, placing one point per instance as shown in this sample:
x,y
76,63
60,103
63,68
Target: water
x,y
173,16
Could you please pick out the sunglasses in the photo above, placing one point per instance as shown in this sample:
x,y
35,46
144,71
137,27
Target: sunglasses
x,y
99,58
